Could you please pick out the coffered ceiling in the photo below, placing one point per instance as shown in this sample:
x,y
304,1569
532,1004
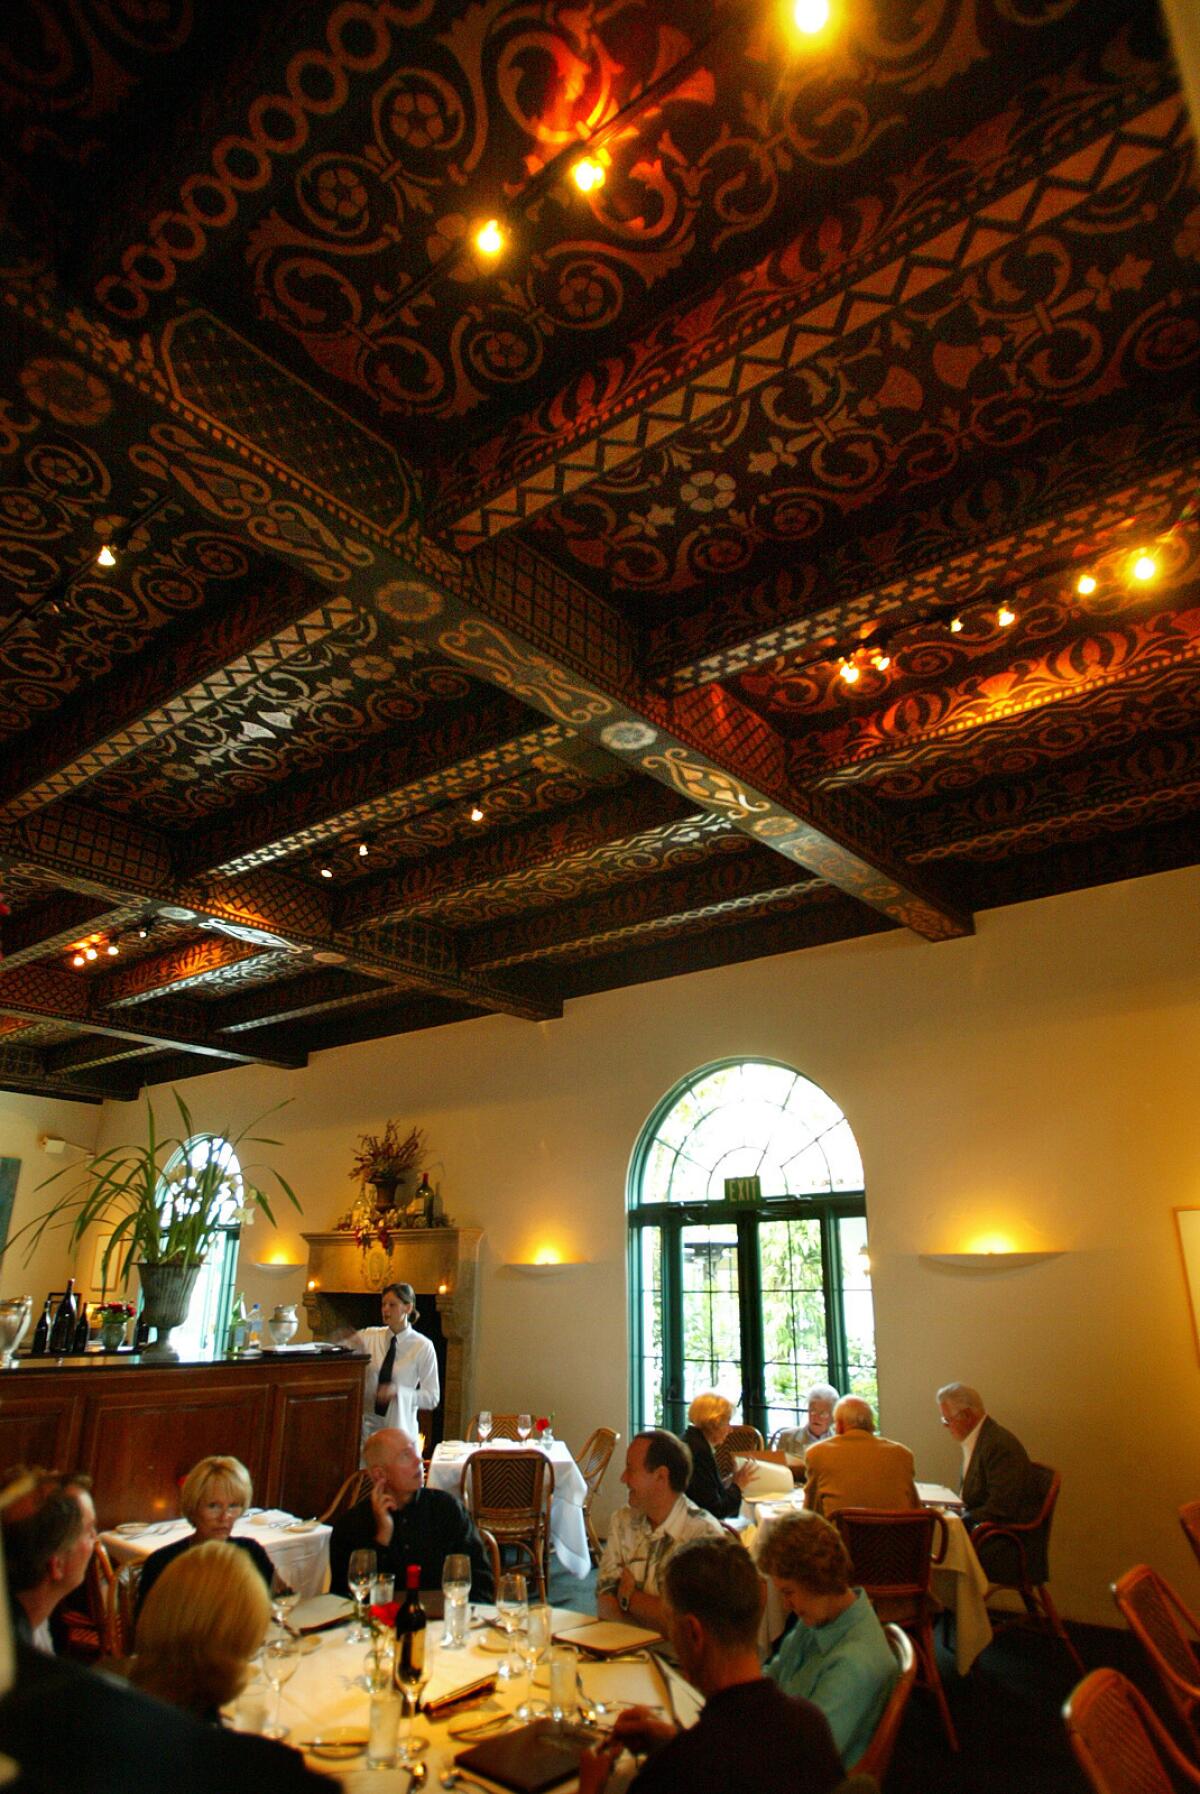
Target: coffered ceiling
x,y
696,579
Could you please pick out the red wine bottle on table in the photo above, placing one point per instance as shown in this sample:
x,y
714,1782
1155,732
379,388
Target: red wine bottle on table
x,y
410,1633
62,1333
41,1334
80,1342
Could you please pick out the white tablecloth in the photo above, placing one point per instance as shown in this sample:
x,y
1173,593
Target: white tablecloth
x,y
958,1583
568,1533
302,1558
322,1696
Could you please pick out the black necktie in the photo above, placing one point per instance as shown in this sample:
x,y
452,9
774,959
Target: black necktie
x,y
382,1402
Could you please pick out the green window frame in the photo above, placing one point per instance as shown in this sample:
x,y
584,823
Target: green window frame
x,y
696,1258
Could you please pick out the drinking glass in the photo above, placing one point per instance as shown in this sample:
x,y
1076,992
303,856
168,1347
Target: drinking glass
x,y
563,1670
483,1425
282,1602
383,1590
534,1644
280,1656
411,1685
512,1606
524,1427
382,1728
360,1574
456,1587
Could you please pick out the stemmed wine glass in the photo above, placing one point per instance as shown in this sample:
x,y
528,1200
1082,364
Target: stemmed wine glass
x,y
282,1601
412,1677
456,1587
360,1575
524,1427
512,1606
280,1656
483,1425
533,1644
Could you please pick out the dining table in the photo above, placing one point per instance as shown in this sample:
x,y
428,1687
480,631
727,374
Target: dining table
x,y
325,1705
958,1581
298,1548
568,1529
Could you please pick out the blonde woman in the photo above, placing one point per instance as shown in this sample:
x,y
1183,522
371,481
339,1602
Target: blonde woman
x,y
198,1630
216,1493
708,1418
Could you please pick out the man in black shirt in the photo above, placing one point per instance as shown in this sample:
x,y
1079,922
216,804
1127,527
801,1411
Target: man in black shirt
x,y
750,1734
406,1523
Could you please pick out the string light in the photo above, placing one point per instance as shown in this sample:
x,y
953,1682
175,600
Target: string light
x,y
588,174
1145,566
489,239
1005,618
1085,585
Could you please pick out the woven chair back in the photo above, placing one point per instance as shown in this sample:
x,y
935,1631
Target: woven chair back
x,y
1161,1623
504,1426
1117,1741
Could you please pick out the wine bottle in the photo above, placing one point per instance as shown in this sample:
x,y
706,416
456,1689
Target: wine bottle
x,y
82,1329
141,1332
62,1333
410,1633
41,1334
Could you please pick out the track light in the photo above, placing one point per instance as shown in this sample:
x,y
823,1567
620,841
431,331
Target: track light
x,y
326,871
106,557
956,624
849,672
77,959
1085,585
112,949
588,174
489,239
1005,618
1144,567
476,813
881,661
364,848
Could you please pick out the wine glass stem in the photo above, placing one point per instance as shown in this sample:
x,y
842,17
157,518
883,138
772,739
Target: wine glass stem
x,y
278,1707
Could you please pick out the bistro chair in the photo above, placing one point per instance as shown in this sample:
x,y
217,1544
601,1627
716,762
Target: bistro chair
x,y
493,1554
1189,1519
504,1426
593,1461
893,1553
1029,1571
124,1608
356,1485
509,1493
737,1439
86,1621
1121,1746
878,1754
1165,1629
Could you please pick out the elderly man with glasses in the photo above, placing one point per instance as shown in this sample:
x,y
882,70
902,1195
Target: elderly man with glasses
x,y
998,1481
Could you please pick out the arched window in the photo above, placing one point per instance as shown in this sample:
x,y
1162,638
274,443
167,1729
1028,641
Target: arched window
x,y
748,1265
207,1323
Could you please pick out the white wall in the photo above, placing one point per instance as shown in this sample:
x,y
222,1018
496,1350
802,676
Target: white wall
x,y
1040,1078
24,1120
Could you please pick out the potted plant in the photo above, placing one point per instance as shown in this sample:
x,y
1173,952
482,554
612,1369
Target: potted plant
x,y
382,1160
114,1318
163,1200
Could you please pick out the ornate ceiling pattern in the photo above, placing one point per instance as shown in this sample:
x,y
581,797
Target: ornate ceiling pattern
x,y
698,579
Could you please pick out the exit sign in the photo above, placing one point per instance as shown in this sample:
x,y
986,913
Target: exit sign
x,y
742,1189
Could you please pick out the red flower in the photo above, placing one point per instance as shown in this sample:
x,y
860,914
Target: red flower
x,y
540,1424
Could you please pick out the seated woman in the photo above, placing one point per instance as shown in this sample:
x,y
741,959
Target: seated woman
x,y
216,1493
823,1398
708,1426
198,1630
838,1657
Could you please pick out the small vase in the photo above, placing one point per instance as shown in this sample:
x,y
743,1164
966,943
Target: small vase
x,y
384,1191
283,1324
112,1334
167,1292
14,1318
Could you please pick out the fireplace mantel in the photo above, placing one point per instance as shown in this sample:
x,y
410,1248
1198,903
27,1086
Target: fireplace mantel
x,y
439,1262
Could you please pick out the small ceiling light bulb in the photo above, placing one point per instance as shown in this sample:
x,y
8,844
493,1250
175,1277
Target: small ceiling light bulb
x,y
489,240
106,557
956,624
112,949
1005,618
326,871
476,813
1145,566
364,848
77,959
1085,585
849,672
588,174
810,16
881,661
142,933
90,953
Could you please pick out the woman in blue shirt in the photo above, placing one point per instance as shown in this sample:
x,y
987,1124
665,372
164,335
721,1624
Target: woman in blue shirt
x,y
838,1655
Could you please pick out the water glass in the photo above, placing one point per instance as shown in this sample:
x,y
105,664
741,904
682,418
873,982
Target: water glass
x,y
563,1689
360,1574
383,1728
512,1605
456,1621
535,1642
383,1590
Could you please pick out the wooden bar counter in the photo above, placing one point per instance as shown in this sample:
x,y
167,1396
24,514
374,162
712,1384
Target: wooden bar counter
x,y
137,1426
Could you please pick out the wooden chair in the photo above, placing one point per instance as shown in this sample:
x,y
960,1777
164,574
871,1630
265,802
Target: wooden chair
x,y
124,1609
509,1493
593,1461
1165,1628
356,1485
86,1623
893,1554
493,1552
878,1754
504,1426
1189,1519
1031,1539
737,1440
1121,1746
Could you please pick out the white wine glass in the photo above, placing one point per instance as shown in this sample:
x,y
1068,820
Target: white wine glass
x,y
280,1658
483,1425
512,1606
412,1677
533,1645
524,1426
282,1601
360,1574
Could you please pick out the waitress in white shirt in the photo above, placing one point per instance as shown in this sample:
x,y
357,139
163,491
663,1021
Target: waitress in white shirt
x,y
402,1377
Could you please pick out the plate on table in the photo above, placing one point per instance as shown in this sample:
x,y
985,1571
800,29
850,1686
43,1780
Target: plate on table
x,y
302,1526
131,1528
495,1643
337,1743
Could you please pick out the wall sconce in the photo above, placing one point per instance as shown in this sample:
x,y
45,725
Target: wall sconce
x,y
1003,1260
278,1267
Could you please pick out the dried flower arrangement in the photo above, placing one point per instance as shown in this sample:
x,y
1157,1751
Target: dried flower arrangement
x,y
382,1158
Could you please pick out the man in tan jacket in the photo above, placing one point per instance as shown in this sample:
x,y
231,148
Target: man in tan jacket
x,y
856,1468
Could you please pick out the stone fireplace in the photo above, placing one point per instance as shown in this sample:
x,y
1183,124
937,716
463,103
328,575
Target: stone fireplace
x,y
441,1263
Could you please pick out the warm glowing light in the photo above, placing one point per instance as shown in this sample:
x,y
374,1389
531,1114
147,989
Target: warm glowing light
x,y
326,872
1145,567
992,1243
881,661
112,949
810,16
476,813
106,557
548,1255
90,953
956,624
1085,585
77,959
588,174
489,240
363,850
443,1289
849,672
1005,617
313,1283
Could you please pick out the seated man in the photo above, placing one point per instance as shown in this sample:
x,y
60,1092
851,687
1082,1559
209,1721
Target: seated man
x,y
406,1523
750,1735
49,1535
856,1468
838,1657
822,1399
642,1536
998,1480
